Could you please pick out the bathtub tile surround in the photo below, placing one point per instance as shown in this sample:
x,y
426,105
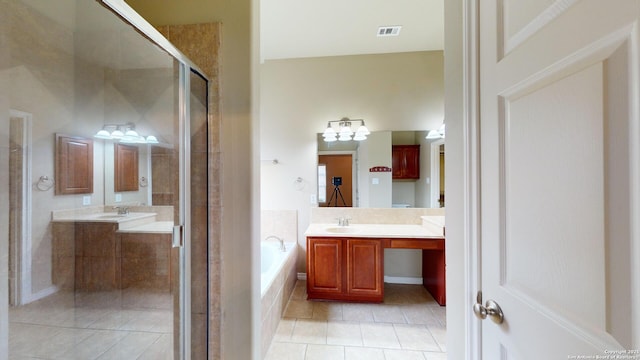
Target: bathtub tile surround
x,y
281,223
278,271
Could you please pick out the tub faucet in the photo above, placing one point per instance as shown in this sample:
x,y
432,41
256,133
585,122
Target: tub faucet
x,y
281,240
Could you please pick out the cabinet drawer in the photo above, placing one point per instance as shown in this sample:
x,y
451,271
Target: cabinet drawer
x,y
435,244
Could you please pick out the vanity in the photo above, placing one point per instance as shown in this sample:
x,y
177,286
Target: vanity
x,y
346,263
96,249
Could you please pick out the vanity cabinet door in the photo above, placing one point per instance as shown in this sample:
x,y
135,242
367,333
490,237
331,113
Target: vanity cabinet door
x,y
325,257
365,269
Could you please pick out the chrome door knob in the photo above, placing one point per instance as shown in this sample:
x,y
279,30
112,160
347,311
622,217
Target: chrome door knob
x,y
490,309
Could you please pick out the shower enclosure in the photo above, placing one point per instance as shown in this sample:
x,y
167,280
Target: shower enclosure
x,y
103,175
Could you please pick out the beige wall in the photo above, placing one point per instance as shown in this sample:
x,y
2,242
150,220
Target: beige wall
x,y
457,271
403,91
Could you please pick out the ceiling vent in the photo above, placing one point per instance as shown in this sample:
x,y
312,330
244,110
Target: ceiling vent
x,y
389,30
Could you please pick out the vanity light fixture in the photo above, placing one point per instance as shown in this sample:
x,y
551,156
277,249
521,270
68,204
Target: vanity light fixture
x,y
125,133
345,132
436,134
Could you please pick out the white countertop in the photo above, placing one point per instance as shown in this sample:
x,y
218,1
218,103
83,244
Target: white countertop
x,y
157,227
374,231
112,217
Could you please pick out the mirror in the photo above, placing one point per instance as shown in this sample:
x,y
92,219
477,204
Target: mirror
x,y
143,98
127,174
373,186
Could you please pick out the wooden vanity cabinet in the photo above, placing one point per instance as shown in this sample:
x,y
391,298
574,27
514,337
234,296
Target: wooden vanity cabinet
x,y
405,162
345,269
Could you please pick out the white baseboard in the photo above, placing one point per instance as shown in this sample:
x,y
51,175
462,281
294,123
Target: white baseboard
x,y
42,294
302,276
403,280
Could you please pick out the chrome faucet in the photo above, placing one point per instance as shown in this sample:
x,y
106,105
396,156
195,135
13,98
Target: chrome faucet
x,y
281,240
343,221
122,210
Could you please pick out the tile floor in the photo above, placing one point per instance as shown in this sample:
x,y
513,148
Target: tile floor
x,y
112,325
408,325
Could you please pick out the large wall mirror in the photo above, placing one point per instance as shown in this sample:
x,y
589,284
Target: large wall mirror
x,y
371,186
139,174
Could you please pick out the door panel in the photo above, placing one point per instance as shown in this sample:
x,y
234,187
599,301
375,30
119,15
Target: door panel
x,y
558,180
573,127
326,259
364,267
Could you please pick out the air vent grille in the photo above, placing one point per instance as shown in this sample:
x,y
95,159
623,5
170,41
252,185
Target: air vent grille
x,y
389,30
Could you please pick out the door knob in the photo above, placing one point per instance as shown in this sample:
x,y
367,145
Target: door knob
x,y
490,309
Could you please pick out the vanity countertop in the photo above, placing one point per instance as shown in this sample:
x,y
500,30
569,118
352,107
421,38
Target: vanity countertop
x,y
103,217
374,231
157,227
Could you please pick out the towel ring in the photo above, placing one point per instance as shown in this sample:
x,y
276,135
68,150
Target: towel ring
x,y
44,183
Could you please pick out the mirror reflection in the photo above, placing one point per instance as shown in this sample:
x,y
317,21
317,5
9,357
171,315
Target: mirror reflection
x,y
141,110
134,174
399,169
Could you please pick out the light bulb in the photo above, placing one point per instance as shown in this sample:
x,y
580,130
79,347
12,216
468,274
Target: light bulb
x,y
102,134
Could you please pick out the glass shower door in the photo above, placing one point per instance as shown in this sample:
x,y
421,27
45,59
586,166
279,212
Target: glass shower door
x,y
97,181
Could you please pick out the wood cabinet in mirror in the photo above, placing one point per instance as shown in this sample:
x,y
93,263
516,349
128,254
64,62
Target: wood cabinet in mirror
x,y
125,167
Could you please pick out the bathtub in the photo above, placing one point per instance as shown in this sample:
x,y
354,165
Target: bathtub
x,y
277,279
272,261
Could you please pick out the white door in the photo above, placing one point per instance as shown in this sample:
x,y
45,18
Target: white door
x,y
560,175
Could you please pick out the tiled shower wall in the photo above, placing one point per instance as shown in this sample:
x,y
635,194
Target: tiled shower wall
x,y
201,44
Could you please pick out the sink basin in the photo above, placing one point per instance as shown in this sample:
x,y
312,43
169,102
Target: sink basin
x,y
342,230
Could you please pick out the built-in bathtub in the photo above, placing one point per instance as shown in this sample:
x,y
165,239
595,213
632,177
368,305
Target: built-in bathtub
x,y
278,278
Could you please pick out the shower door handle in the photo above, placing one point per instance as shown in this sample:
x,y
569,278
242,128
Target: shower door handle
x,y
178,236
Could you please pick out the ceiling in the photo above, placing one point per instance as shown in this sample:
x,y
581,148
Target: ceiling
x,y
303,28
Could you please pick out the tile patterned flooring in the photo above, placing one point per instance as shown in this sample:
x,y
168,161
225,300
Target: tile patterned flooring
x,y
408,325
110,325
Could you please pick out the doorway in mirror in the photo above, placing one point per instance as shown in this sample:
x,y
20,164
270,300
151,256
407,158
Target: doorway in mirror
x,y
338,180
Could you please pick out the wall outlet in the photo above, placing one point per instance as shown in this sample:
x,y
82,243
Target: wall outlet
x,y
86,200
118,198
312,199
